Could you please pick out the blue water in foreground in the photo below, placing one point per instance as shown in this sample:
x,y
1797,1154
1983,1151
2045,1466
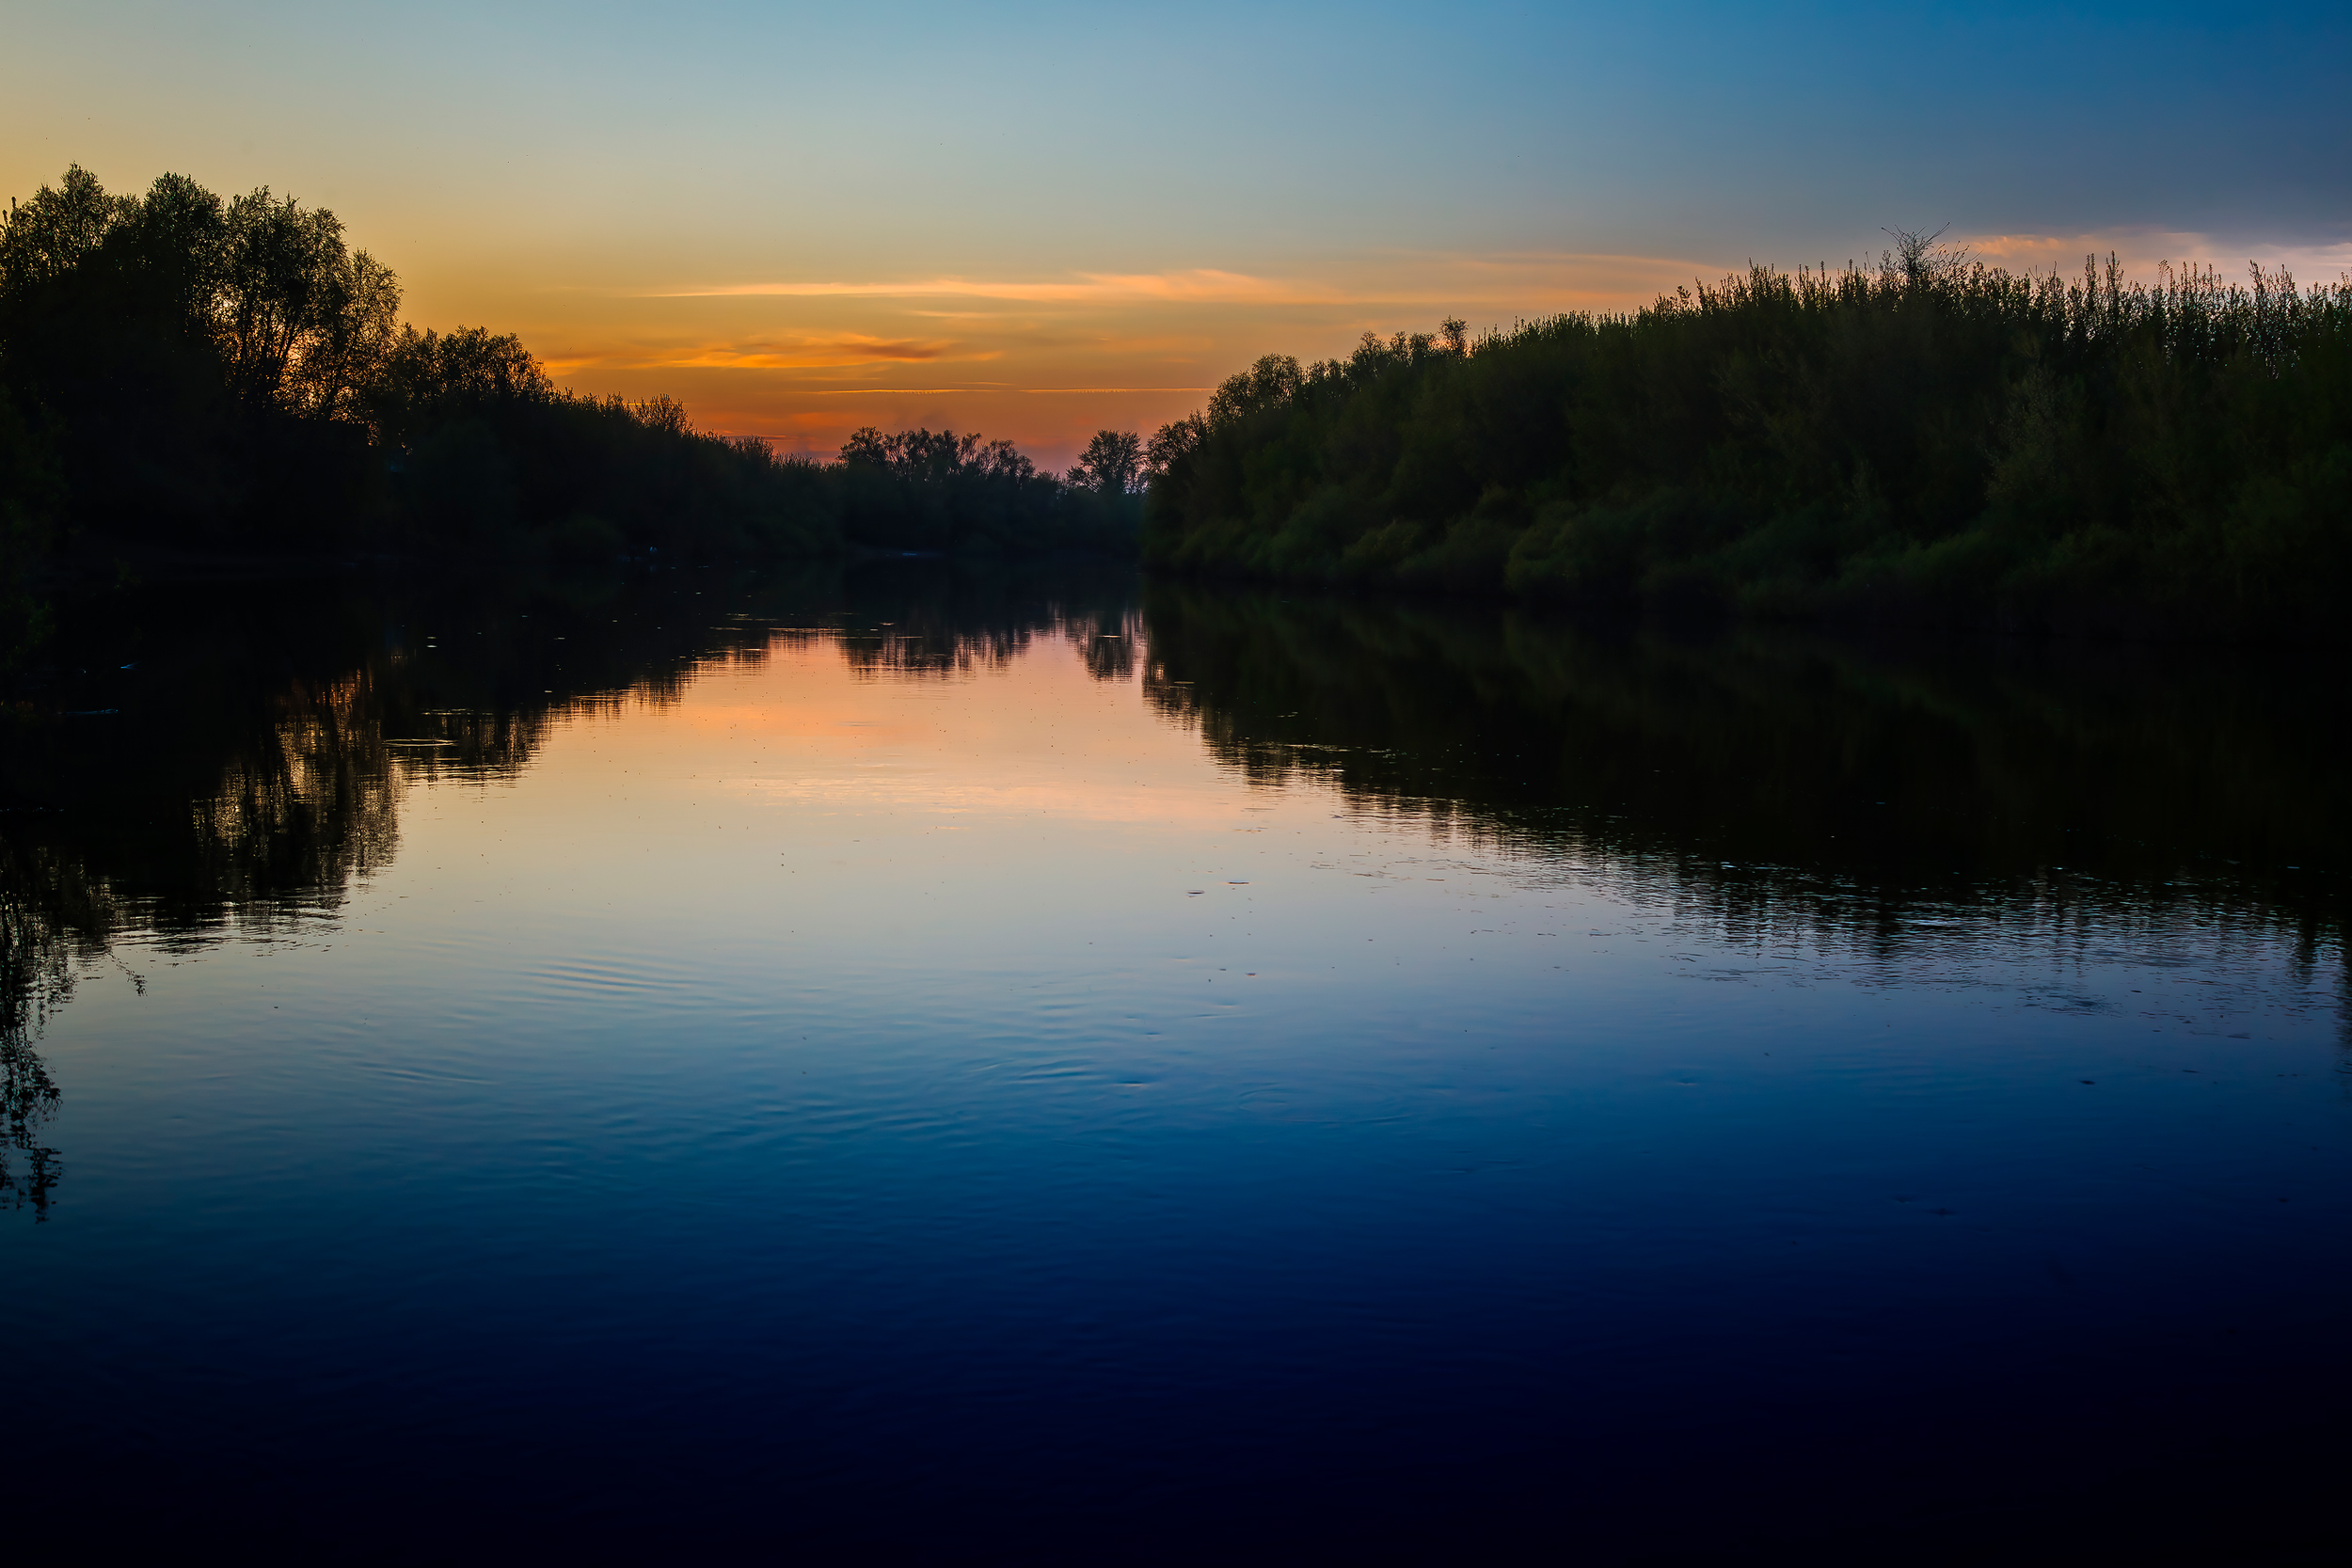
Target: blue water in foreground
x,y
1058,1080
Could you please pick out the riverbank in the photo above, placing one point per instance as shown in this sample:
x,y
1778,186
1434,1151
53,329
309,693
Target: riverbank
x,y
1928,441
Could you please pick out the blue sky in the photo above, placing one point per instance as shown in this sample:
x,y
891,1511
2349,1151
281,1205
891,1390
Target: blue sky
x,y
801,218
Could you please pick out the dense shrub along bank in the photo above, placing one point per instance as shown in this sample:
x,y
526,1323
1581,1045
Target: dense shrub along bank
x,y
182,371
1928,436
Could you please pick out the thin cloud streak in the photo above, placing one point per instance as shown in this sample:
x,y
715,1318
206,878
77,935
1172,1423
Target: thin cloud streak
x,y
1205,286
841,351
984,390
1527,279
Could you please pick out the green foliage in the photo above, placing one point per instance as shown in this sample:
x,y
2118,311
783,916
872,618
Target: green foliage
x,y
1927,437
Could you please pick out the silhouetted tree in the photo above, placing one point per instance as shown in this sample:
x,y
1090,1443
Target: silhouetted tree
x,y
186,369
1111,464
197,363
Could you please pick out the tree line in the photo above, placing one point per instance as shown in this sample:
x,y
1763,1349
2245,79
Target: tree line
x,y
178,369
1927,437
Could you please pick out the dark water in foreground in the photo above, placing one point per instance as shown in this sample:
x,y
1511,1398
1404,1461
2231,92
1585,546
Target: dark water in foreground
x,y
1049,1067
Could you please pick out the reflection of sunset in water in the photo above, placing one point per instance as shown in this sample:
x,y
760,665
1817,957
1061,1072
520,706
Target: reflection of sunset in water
x,y
1038,733
1057,1036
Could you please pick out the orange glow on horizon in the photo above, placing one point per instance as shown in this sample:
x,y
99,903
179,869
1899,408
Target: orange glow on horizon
x,y
1043,361
1048,360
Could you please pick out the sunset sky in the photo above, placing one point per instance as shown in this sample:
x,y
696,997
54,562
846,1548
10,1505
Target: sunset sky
x,y
1038,220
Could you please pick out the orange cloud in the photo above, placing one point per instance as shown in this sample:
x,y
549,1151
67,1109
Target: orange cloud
x,y
828,352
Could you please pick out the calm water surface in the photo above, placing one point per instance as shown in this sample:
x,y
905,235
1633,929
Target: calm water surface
x,y
1048,1066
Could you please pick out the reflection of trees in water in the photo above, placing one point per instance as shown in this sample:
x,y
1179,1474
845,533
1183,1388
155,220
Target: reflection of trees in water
x,y
302,798
950,623
1107,645
1775,789
39,956
253,748
28,1167
1770,786
246,764
311,806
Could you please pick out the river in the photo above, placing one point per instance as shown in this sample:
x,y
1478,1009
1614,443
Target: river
x,y
924,1060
